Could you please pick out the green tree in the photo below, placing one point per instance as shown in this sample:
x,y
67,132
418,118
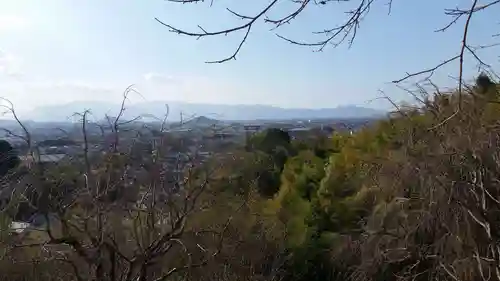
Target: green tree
x,y
269,140
8,158
272,149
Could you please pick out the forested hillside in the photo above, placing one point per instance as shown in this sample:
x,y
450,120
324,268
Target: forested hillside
x,y
414,197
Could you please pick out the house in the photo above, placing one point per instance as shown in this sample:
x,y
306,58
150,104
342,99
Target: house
x,y
42,159
36,224
252,128
299,132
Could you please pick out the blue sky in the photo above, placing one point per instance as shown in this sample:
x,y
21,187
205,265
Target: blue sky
x,y
57,51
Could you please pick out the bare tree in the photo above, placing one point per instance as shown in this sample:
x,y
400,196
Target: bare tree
x,y
110,216
10,110
347,30
438,220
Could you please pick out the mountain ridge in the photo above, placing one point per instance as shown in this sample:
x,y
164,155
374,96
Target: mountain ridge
x,y
64,112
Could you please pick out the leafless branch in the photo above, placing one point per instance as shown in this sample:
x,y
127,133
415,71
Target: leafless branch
x,y
343,31
246,26
10,109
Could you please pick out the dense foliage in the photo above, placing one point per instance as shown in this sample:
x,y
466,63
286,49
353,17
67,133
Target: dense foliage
x,y
8,158
414,197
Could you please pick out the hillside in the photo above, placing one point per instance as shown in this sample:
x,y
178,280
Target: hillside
x,y
411,195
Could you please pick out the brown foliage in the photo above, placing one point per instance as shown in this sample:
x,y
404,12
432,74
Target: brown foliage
x,y
125,218
437,216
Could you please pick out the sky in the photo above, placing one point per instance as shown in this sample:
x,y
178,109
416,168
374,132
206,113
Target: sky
x,y
59,51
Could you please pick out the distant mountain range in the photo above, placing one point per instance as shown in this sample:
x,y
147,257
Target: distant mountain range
x,y
151,110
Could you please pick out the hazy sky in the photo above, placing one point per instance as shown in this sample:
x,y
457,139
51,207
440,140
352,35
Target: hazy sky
x,y
56,51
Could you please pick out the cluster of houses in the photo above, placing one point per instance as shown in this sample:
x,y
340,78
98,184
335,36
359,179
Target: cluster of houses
x,y
186,146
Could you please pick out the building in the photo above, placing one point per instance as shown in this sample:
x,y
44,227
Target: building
x,y
42,159
252,128
301,132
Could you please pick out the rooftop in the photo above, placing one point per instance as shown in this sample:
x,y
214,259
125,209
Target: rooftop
x,y
45,158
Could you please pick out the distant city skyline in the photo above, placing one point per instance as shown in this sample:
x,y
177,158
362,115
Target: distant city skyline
x,y
54,52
